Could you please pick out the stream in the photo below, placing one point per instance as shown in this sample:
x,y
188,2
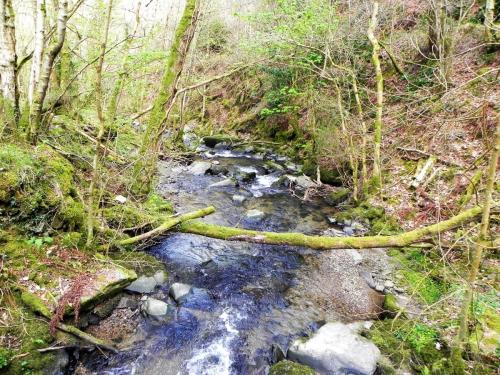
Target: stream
x,y
249,301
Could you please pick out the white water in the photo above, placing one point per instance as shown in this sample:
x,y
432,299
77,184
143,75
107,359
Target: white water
x,y
215,358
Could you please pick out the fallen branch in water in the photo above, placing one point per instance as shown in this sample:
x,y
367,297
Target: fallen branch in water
x,y
324,242
172,222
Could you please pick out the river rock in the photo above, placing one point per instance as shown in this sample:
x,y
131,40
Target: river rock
x,y
144,284
199,167
179,290
217,169
254,215
190,140
303,182
241,176
154,307
239,198
337,348
224,183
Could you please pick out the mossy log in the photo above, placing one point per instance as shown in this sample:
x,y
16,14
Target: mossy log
x,y
167,225
328,243
35,304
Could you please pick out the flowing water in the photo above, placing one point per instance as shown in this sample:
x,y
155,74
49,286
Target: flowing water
x,y
249,299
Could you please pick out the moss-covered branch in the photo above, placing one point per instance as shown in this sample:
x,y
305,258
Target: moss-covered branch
x,y
167,225
35,304
328,243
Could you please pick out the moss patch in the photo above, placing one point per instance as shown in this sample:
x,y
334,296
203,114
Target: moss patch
x,y
290,368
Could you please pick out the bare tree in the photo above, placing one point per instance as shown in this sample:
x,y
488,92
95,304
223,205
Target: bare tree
x,y
36,64
8,57
377,125
102,127
41,92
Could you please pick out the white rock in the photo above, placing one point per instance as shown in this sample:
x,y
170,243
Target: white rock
x,y
337,348
239,198
154,307
179,290
160,277
223,183
199,167
120,199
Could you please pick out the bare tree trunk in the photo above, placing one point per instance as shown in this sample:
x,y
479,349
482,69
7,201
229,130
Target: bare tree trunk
x,y
364,131
8,57
36,64
117,89
377,125
353,162
102,129
144,169
441,38
481,244
489,19
41,92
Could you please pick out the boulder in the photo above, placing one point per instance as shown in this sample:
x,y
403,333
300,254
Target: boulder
x,y
241,176
303,182
179,290
199,167
337,348
106,283
217,169
290,368
154,307
143,284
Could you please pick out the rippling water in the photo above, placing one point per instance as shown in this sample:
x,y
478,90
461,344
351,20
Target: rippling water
x,y
250,297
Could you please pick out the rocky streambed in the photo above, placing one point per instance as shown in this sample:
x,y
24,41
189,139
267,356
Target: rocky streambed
x,y
238,308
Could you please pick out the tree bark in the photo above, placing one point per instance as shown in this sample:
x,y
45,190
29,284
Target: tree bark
x,y
477,257
489,20
8,57
96,162
377,125
39,99
118,87
328,243
36,64
144,169
168,224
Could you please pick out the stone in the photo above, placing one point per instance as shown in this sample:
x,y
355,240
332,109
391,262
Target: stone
x,y
389,284
128,302
154,307
338,196
144,284
355,255
221,146
190,140
218,170
160,277
303,182
239,198
199,167
254,215
241,176
336,348
120,199
106,283
224,183
379,287
348,231
367,276
179,290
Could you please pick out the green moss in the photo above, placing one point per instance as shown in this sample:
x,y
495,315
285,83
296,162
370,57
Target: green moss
x,y
290,368
139,261
391,305
126,216
328,176
338,196
156,204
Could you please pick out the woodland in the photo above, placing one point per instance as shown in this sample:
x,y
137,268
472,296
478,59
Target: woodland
x,y
314,154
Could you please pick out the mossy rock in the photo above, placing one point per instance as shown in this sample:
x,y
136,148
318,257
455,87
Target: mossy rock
x,y
391,306
156,204
37,183
212,140
139,261
328,176
290,368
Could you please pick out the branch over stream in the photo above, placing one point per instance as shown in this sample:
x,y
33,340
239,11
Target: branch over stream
x,y
185,224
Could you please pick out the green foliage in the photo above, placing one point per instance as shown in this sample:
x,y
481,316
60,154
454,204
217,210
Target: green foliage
x,y
214,37
39,242
418,336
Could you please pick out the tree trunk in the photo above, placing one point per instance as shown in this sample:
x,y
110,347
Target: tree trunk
x,y
489,21
41,92
144,169
481,244
377,125
36,64
118,87
102,129
328,243
364,142
8,57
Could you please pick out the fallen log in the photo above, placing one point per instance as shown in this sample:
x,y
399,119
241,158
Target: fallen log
x,y
172,222
328,243
37,305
